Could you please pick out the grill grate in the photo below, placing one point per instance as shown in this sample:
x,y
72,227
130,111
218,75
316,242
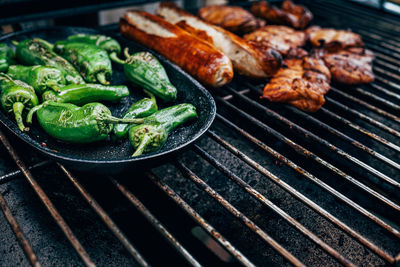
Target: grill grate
x,y
302,188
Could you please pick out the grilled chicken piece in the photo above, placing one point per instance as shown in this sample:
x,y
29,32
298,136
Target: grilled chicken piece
x,y
296,16
333,40
281,38
231,18
301,82
249,59
350,66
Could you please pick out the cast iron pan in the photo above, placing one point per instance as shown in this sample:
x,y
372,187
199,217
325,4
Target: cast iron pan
x,y
113,157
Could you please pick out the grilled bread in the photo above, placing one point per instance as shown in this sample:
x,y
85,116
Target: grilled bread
x,y
198,58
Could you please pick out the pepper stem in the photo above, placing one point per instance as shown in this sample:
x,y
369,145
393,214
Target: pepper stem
x,y
152,96
53,86
142,146
101,77
116,59
126,52
32,111
114,120
18,107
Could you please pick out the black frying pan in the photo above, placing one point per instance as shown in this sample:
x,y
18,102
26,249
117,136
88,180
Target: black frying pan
x,y
107,156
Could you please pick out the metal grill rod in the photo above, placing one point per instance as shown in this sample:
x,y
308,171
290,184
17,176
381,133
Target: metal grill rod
x,y
360,129
200,220
388,83
385,64
155,222
266,202
346,108
105,218
47,202
345,137
381,100
367,105
301,197
235,212
358,11
385,91
303,131
11,175
364,117
353,111
384,26
308,154
33,260
310,177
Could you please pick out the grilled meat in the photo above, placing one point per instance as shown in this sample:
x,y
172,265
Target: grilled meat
x,y
333,40
296,16
248,58
198,58
231,18
301,82
281,38
350,66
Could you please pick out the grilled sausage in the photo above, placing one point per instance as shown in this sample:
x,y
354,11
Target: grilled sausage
x,y
248,58
195,56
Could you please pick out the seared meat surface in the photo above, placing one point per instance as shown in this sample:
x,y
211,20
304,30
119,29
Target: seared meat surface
x,y
296,16
301,82
333,40
231,18
248,58
350,66
281,38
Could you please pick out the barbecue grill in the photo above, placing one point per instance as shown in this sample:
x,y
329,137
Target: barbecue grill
x,y
267,185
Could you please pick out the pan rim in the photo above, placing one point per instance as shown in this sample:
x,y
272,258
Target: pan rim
x,y
11,126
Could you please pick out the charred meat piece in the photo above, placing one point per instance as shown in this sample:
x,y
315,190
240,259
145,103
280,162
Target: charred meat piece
x,y
301,82
350,66
231,18
296,16
249,59
281,38
333,40
198,58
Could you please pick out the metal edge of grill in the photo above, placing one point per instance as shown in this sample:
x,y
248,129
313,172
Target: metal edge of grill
x,y
351,140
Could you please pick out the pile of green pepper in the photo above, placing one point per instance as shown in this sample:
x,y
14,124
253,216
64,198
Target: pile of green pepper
x,y
65,76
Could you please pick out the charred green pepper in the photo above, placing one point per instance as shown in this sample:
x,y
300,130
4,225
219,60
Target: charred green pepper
x,y
140,109
39,52
70,123
16,96
143,69
6,57
41,78
91,61
107,43
85,93
150,137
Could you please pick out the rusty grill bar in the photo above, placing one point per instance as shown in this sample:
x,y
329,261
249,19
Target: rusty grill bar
x,y
351,144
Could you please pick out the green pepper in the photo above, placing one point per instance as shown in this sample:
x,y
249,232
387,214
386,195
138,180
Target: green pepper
x,y
41,78
91,61
6,57
143,69
150,137
16,96
107,43
80,94
39,52
70,123
140,109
